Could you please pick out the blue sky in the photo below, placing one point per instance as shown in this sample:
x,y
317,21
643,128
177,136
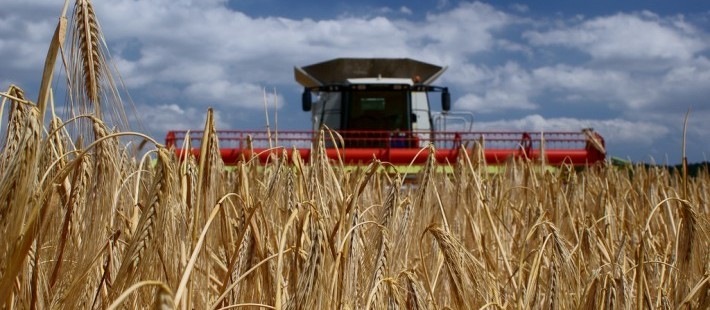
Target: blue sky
x,y
630,69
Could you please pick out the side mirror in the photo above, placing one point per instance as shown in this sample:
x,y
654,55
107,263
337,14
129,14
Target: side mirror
x,y
306,99
445,100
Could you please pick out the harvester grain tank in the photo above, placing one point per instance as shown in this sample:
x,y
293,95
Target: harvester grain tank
x,y
381,109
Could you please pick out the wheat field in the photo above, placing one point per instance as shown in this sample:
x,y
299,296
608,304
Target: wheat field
x,y
89,223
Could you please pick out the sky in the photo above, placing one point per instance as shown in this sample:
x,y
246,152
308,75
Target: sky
x,y
629,69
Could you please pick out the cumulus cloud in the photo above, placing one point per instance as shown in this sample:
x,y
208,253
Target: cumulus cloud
x,y
200,51
642,36
507,87
232,96
165,117
23,44
494,101
522,8
462,31
610,87
183,41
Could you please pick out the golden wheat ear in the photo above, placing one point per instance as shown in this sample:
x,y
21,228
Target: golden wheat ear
x,y
15,126
87,31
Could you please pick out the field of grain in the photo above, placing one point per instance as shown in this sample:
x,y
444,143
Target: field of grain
x,y
87,222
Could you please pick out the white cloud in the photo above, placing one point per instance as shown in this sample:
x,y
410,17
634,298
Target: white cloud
x,y
511,46
494,101
217,55
579,78
507,87
165,117
595,85
24,42
440,4
183,40
518,7
626,36
464,30
512,87
686,85
232,96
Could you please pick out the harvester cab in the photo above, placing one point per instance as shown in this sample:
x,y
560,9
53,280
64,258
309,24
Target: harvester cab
x,y
365,96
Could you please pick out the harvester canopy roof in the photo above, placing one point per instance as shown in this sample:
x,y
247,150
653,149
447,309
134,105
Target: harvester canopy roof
x,y
339,70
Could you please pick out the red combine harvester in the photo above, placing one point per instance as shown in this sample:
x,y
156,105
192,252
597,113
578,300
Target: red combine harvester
x,y
380,108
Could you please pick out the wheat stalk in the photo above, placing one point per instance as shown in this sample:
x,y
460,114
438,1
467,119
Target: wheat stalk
x,y
313,233
308,279
151,221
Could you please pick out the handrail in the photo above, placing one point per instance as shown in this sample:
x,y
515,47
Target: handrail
x,y
490,138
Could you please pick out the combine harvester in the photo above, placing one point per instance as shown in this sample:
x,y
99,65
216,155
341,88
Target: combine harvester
x,y
380,108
